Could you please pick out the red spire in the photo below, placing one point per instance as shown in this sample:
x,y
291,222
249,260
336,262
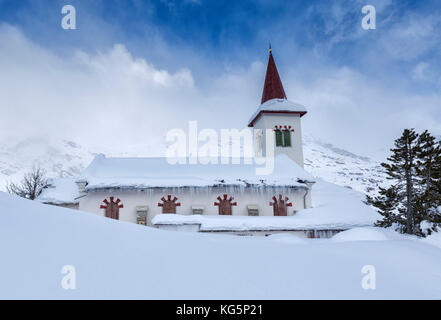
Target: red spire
x,y
273,87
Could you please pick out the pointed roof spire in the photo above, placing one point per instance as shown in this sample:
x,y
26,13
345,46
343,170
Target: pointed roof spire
x,y
273,87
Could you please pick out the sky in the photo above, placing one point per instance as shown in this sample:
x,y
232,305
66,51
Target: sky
x,y
133,69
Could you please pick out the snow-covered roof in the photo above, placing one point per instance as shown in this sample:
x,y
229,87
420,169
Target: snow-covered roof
x,y
335,208
60,191
106,172
247,223
277,106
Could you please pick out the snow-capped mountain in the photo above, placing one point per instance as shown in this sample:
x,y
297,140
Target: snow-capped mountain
x,y
67,159
340,166
57,158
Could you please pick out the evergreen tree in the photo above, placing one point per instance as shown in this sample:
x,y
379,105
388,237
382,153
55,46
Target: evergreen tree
x,y
429,182
414,195
386,202
397,203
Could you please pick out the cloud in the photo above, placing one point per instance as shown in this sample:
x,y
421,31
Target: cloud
x,y
359,113
118,62
412,36
339,22
82,95
114,98
420,72
108,97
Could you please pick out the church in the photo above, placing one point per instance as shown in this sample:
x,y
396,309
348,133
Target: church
x,y
224,198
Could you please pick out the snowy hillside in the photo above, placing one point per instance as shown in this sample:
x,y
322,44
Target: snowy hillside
x,y
58,158
67,158
113,259
340,166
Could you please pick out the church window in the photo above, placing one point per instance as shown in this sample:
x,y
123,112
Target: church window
x,y
286,138
112,207
141,215
169,205
283,136
253,210
279,138
225,205
197,209
280,205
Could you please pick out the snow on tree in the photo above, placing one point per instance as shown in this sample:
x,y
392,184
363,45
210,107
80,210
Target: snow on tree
x,y
429,182
414,169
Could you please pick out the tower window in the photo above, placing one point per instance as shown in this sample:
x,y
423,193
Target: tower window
x,y
286,138
283,136
279,138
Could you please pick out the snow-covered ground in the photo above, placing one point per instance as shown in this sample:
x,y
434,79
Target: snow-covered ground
x,y
113,259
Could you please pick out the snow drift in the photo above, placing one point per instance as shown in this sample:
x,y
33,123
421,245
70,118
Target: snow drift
x,y
114,259
367,234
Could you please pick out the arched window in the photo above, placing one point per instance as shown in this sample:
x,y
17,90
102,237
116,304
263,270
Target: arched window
x,y
280,205
169,205
225,205
283,136
286,138
279,138
112,207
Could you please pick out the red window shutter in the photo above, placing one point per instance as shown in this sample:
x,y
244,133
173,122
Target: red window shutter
x,y
169,205
225,205
280,205
112,207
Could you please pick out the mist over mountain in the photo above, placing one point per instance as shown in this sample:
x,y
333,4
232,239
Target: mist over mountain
x,y
63,158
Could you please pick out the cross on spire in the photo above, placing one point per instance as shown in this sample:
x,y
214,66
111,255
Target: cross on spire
x,y
273,87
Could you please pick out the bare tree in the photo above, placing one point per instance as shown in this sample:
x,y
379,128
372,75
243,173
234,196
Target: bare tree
x,y
31,186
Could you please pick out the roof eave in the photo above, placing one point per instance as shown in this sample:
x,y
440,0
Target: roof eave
x,y
251,123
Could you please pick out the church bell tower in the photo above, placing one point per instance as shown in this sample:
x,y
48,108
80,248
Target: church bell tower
x,y
280,115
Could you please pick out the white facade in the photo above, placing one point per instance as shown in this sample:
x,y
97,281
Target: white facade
x,y
270,121
195,198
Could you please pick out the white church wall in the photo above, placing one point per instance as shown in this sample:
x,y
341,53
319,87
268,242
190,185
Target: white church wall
x,y
190,197
270,120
